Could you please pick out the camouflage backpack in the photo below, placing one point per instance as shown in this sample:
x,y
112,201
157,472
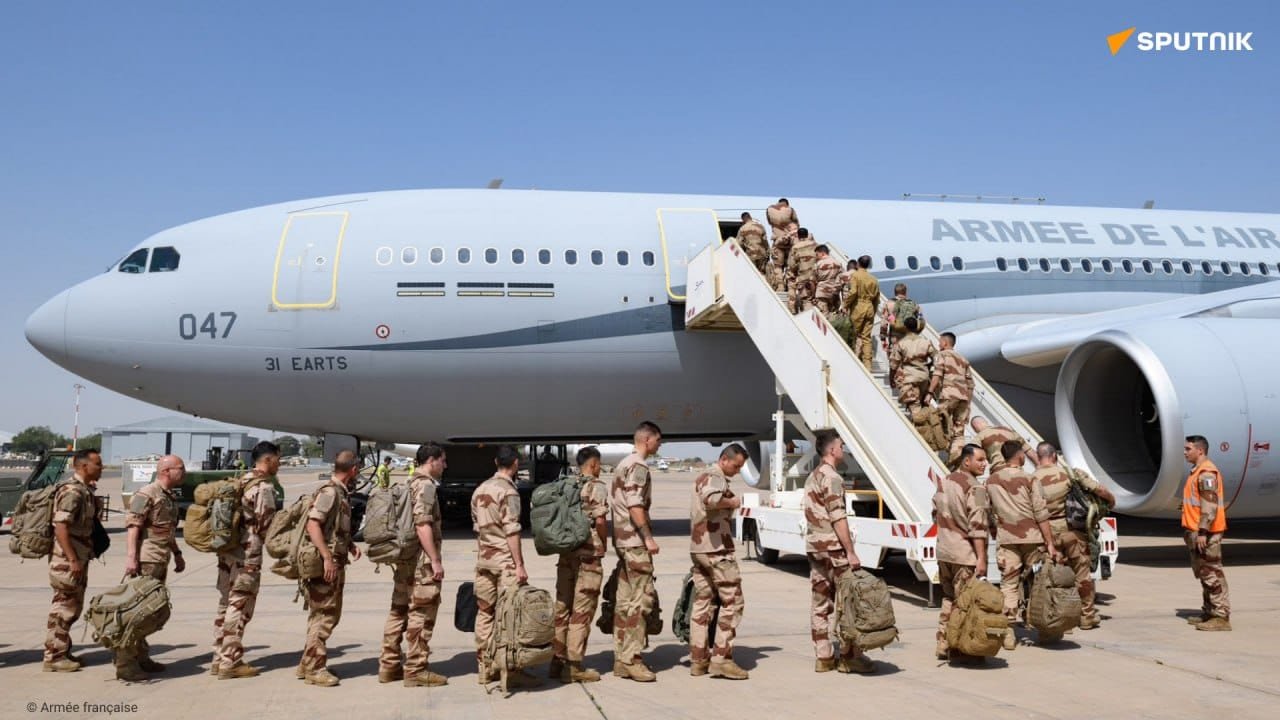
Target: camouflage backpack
x,y
682,615
977,625
560,525
928,422
1053,605
903,309
865,611
32,536
296,557
129,612
213,520
388,525
524,629
608,598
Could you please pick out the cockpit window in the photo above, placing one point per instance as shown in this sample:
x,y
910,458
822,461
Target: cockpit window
x,y
136,262
164,259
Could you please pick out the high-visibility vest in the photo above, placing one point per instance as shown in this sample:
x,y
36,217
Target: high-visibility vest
x,y
1191,499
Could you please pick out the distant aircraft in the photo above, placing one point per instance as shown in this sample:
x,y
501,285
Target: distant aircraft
x,y
491,315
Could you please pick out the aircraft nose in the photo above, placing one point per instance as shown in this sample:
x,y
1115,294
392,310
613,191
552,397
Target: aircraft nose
x,y
47,327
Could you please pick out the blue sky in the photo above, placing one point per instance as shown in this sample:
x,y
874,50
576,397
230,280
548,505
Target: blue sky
x,y
122,119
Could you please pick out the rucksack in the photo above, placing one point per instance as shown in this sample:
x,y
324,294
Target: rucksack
x,y
682,615
129,612
1053,605
213,520
977,624
903,309
864,611
560,524
1084,509
465,608
608,598
32,536
388,525
524,629
296,557
928,422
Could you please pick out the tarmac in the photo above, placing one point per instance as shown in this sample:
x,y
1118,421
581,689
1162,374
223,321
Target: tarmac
x,y
1144,661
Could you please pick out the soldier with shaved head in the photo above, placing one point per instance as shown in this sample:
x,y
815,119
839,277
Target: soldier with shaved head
x,y
329,530
630,497
152,522
716,578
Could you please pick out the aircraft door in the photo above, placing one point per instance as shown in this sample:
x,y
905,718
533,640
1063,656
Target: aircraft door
x,y
684,232
306,271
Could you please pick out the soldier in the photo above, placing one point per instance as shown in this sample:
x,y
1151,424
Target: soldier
x,y
715,567
952,375
861,301
830,279
329,529
752,240
829,545
991,438
74,509
1055,483
1204,520
152,522
784,223
960,512
415,595
240,567
579,575
914,357
495,516
382,476
895,313
630,496
1021,526
802,281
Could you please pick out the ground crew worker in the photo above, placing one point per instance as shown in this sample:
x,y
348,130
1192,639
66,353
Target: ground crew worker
x,y
415,594
495,516
952,385
1055,483
861,302
715,567
579,575
829,277
382,476
1204,520
240,567
74,509
412,468
1021,528
753,242
802,279
991,438
630,496
829,546
784,224
914,357
329,529
960,512
152,525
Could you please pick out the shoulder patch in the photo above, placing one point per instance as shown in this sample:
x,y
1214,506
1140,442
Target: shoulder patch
x,y
138,503
1208,481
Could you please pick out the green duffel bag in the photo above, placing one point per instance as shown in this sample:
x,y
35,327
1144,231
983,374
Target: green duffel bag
x,y
129,612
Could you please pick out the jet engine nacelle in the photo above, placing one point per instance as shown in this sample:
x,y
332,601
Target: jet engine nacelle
x,y
1126,399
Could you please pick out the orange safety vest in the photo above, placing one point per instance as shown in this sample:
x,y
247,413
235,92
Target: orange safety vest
x,y
1191,500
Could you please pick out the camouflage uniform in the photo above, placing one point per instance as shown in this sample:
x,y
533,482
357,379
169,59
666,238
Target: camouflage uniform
x,y
823,509
240,570
74,506
802,279
994,438
784,224
861,302
1054,484
715,567
154,512
332,508
635,598
1018,506
495,514
830,279
960,512
752,240
888,334
955,391
1205,483
913,356
579,575
415,594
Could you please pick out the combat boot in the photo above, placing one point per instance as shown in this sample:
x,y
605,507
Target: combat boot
x,y
698,668
1010,641
300,672
1193,620
636,670
860,664
1090,623
66,664
426,679
724,667
1215,624
131,673
556,670
941,651
393,675
213,667
322,678
578,674
824,665
237,671
151,666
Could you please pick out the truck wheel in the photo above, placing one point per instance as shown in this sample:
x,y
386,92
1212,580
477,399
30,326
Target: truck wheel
x,y
768,556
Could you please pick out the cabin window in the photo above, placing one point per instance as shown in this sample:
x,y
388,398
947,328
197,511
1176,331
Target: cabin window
x,y
544,257
1147,267
1066,265
1188,268
597,257
912,262
623,257
464,255
1044,264
1107,266
1002,264
1023,265
570,257
957,263
164,259
383,256
1244,266
647,257
935,263
517,256
1086,264
491,255
1127,265
1264,269
1167,266
889,262
409,255
1207,267
436,256
1226,268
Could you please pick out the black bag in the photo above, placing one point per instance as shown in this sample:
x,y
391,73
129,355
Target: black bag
x,y
464,608
100,539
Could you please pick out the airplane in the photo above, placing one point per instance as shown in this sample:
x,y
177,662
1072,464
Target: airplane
x,y
542,317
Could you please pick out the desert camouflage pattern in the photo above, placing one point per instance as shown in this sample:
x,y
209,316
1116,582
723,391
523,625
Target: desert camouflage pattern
x,y
715,577
1013,560
257,506
711,530
825,570
154,512
578,582
495,515
1054,484
830,281
490,582
75,507
240,570
595,503
1207,567
823,508
955,390
801,275
784,224
332,509
415,595
912,361
631,487
1017,504
953,578
634,602
960,511
751,237
994,437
